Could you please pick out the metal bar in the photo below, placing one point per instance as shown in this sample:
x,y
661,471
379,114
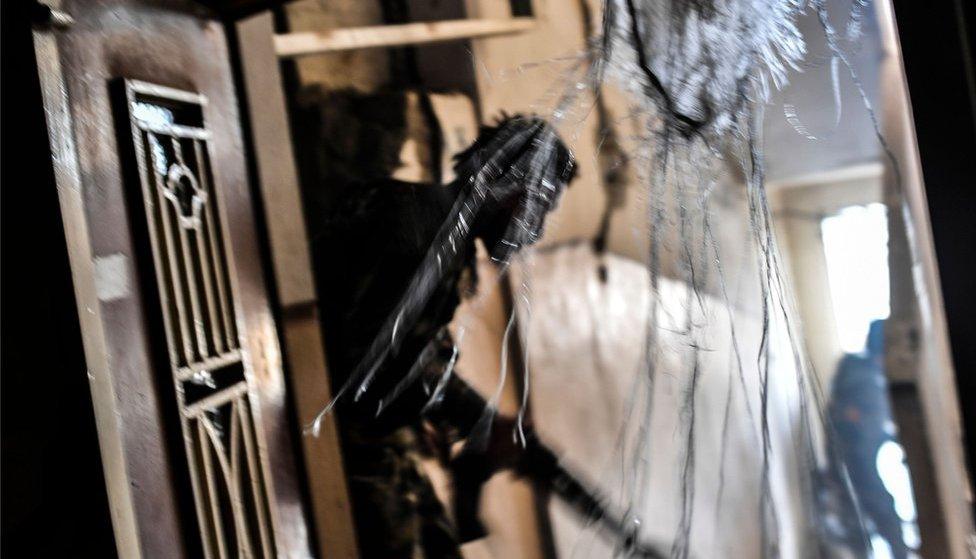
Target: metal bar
x,y
256,487
190,266
169,241
194,450
233,493
235,477
205,443
174,130
154,90
212,226
203,256
215,400
154,219
208,364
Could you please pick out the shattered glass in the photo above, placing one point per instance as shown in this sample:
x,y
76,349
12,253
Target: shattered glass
x,y
697,360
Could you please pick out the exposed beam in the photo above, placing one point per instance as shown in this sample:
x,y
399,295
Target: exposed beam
x,y
277,178
291,45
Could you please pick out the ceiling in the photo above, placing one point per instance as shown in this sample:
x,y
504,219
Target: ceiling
x,y
789,153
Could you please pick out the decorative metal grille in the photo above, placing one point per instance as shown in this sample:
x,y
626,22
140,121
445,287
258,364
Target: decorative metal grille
x,y
197,303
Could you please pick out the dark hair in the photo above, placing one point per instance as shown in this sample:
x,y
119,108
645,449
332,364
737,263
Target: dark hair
x,y
492,137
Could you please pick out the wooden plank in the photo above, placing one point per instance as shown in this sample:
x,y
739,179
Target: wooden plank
x,y
304,349
943,418
67,174
290,45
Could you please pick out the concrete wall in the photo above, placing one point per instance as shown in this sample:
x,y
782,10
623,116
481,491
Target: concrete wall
x,y
586,341
799,209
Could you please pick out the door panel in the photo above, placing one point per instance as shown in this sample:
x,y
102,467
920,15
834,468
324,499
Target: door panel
x,y
168,156
188,342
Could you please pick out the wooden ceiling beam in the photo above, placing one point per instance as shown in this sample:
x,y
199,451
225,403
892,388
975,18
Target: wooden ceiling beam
x,y
292,45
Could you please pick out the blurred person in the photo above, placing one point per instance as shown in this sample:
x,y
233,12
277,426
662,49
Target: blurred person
x,y
860,414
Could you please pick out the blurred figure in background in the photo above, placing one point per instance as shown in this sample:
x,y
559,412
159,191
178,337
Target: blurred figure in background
x,y
861,417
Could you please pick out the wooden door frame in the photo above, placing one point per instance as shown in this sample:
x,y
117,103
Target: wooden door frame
x,y
930,122
110,411
275,178
103,390
938,45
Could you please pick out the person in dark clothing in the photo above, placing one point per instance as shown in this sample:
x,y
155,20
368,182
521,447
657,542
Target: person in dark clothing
x,y
861,417
381,235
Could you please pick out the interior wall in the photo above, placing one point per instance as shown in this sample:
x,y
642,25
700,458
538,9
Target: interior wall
x,y
363,69
528,73
798,210
586,340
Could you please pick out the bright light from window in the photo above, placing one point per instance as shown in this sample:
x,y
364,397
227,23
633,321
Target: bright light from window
x,y
893,471
856,248
880,547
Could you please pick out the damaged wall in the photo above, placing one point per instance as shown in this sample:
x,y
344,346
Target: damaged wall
x,y
508,504
585,338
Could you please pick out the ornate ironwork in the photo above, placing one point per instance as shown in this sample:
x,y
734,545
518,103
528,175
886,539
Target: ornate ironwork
x,y
192,271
